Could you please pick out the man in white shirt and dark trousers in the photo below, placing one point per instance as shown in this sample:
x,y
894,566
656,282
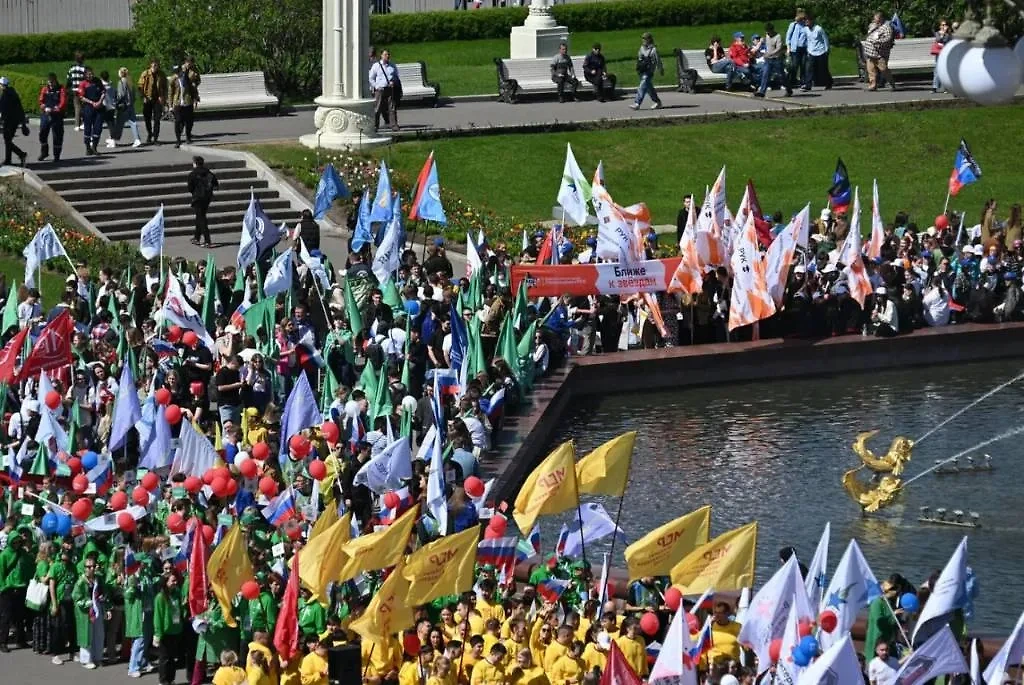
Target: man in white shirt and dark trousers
x,y
883,668
387,90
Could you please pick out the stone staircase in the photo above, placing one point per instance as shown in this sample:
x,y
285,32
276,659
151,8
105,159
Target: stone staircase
x,y
118,201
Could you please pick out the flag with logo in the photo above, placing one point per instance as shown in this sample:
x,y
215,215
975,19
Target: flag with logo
x,y
279,277
837,666
874,246
948,594
1009,655
787,670
710,229
573,192
590,525
549,489
378,550
850,257
178,311
965,170
605,470
43,246
443,567
688,276
426,204
389,253
617,669
382,201
779,257
853,587
816,579
389,469
662,548
228,568
725,563
52,348
766,617
939,655
151,241
362,235
615,237
329,188
300,412
388,612
839,192
672,667
322,557
750,301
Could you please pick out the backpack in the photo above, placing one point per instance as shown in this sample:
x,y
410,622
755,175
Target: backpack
x,y
204,187
644,65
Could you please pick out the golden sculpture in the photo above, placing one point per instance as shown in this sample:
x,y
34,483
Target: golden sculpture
x,y
871,496
892,462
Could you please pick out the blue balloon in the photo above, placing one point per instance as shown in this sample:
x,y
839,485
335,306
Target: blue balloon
x,y
800,658
909,602
89,460
809,646
49,523
412,307
63,525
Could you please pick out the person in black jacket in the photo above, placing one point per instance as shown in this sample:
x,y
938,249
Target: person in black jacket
x,y
12,115
595,70
682,217
201,184
309,229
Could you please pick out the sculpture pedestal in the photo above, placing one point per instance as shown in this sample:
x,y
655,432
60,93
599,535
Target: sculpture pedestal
x,y
343,124
539,36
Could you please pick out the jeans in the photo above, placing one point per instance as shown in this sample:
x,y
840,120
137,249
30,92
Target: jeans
x,y
798,69
138,661
93,121
48,123
646,88
770,68
936,83
151,112
726,67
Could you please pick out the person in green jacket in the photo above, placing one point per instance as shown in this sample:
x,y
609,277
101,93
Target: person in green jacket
x,y
41,618
217,637
139,589
90,613
168,624
882,625
16,570
63,575
312,615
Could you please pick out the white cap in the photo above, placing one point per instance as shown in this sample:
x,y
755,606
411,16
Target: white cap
x,y
979,250
32,405
232,329
4,81
800,269
881,290
826,213
728,679
817,237
829,269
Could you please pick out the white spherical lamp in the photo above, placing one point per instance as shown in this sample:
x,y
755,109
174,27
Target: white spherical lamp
x,y
989,75
1019,50
949,60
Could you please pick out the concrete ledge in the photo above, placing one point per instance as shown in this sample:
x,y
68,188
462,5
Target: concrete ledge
x,y
53,201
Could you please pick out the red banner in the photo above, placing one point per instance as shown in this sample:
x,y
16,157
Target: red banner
x,y
594,279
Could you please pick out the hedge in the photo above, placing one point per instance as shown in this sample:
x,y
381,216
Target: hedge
x,y
54,47
28,87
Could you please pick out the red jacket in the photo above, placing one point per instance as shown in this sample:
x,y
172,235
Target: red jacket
x,y
56,99
739,54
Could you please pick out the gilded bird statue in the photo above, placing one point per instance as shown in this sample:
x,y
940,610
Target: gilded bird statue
x,y
891,462
871,496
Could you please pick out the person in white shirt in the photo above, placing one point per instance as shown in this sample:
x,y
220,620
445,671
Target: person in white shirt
x,y
882,669
387,91
29,311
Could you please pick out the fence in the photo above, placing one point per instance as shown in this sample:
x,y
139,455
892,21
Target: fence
x,y
49,16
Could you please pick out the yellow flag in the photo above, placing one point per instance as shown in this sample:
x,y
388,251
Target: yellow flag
x,y
605,471
321,559
550,489
725,563
326,520
327,489
227,569
444,567
657,552
378,550
388,612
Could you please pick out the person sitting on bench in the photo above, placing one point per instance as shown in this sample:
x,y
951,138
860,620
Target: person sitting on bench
x,y
562,73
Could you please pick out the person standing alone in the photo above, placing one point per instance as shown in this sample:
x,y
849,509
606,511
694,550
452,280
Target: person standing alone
x,y
153,86
184,94
877,46
201,184
647,62
12,116
387,89
93,96
53,102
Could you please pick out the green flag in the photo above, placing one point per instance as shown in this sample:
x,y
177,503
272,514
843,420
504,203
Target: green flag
x,y
382,398
521,306
476,295
406,429
355,317
390,293
525,351
239,286
41,463
10,308
506,347
209,312
330,387
261,315
475,349
368,382
405,362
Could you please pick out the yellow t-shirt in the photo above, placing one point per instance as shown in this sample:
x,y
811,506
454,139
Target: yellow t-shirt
x,y
514,648
486,673
381,657
554,651
489,611
290,672
489,641
438,680
725,640
537,647
449,631
411,674
229,675
313,670
476,625
581,632
468,662
530,676
592,657
635,652
565,671
257,676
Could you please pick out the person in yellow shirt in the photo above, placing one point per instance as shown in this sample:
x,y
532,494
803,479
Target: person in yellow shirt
x,y
632,646
568,668
518,612
725,634
487,606
261,666
416,671
609,620
466,612
540,638
471,658
442,672
518,639
558,648
289,670
586,619
380,660
490,671
595,654
313,670
229,673
448,625
492,634
525,673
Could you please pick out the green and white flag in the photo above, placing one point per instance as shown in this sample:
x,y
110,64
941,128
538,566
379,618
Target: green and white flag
x,y
574,191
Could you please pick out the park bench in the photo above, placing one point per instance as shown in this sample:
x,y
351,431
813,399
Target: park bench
x,y
234,91
908,56
532,76
415,85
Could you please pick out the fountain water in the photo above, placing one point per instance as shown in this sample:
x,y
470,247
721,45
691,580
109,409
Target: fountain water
x,y
981,399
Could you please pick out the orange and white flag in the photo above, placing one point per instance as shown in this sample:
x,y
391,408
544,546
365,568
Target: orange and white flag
x,y
711,226
614,235
688,277
850,257
874,249
751,300
780,255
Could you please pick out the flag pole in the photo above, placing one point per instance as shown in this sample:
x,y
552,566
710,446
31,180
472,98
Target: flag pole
x,y
946,206
579,510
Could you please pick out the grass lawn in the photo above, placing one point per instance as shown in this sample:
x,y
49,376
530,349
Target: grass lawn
x,y
52,281
467,67
791,161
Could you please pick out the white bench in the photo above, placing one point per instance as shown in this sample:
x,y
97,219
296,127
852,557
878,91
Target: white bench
x,y
912,55
529,76
415,85
240,90
693,60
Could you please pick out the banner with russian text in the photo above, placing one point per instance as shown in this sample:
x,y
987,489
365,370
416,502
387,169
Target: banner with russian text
x,y
546,280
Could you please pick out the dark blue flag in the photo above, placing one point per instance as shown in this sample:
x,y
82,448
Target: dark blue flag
x,y
328,189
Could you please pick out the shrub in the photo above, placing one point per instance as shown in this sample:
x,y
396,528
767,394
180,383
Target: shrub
x,y
28,87
53,47
846,21
417,27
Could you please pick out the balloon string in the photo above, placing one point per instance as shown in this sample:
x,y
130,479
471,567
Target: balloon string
x,y
984,397
985,443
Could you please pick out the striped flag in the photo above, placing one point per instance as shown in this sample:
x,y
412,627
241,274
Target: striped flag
x,y
551,589
497,551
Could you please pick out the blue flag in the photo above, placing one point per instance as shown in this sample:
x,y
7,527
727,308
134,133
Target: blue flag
x,y
300,412
126,408
362,235
158,452
460,337
279,276
259,228
427,204
897,26
381,210
330,187
965,170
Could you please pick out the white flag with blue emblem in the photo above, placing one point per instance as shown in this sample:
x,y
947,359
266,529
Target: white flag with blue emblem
x,y
940,655
437,501
573,191
389,254
45,245
315,266
837,666
852,589
948,595
766,617
151,242
816,578
389,469
279,276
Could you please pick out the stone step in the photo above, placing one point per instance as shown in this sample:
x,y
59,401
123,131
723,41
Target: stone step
x,y
279,211
220,228
106,172
172,202
161,177
158,191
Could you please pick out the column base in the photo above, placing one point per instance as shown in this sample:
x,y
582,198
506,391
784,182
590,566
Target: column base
x,y
532,41
343,124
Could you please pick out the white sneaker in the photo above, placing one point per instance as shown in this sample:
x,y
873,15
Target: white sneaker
x,y
110,143
90,666
656,105
56,661
634,106
137,143
134,674
79,128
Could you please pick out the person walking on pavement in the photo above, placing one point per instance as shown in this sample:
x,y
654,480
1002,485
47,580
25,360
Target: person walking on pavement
x,y
93,95
12,117
76,74
53,102
201,184
647,61
796,50
124,106
772,61
184,95
386,88
817,56
153,86
877,45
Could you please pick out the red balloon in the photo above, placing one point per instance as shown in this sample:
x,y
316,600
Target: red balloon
x,y
691,623
80,483
268,486
261,451
140,496
197,388
828,620
208,476
649,623
75,464
81,509
118,501
250,589
53,399
219,487
411,644
248,468
189,338
498,524
775,649
392,500
611,588
299,445
125,522
941,222
150,481
176,523
804,628
193,484
474,487
162,397
172,414
232,488
330,432
174,334
318,469
208,533
672,598
222,472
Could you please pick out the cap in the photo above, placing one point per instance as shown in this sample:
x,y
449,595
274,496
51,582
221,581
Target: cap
x,y
756,35
829,269
800,269
979,250
826,213
32,405
232,329
738,34
4,81
880,290
438,242
71,279
647,35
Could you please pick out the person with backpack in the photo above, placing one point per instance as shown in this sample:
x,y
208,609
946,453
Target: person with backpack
x,y
647,61
124,108
53,102
201,184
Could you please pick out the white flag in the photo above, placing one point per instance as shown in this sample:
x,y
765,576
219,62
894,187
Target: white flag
x,y
45,245
480,501
850,256
949,594
388,469
853,588
573,191
710,234
670,668
788,671
315,266
780,254
195,454
1010,654
837,666
816,579
597,524
279,275
874,250
602,593
765,620
940,655
151,242
473,261
252,231
976,663
177,310
614,236
437,501
389,254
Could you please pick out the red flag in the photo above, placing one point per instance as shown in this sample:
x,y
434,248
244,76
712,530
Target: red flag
x,y
421,187
52,348
544,254
617,670
198,600
286,633
9,356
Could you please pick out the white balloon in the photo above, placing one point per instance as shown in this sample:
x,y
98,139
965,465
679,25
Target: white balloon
x,y
990,76
409,403
351,409
957,46
239,458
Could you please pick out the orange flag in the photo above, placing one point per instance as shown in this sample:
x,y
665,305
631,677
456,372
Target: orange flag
x,y
751,300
